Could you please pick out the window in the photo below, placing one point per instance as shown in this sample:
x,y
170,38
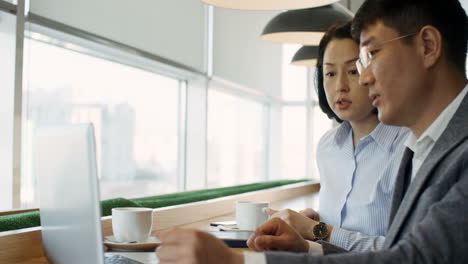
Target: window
x,y
135,114
320,125
302,121
294,138
161,126
7,75
294,81
236,140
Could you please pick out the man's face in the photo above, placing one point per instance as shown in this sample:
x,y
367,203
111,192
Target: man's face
x,y
393,77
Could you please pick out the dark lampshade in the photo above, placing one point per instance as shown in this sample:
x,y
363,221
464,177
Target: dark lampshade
x,y
268,4
305,56
304,26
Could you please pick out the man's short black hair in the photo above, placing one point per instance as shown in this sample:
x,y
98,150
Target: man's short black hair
x,y
337,31
409,16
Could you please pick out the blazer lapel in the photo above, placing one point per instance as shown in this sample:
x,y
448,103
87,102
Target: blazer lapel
x,y
456,131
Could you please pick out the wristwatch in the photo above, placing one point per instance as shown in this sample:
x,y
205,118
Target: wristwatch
x,y
320,231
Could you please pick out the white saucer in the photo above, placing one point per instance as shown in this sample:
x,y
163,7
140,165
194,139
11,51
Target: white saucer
x,y
150,245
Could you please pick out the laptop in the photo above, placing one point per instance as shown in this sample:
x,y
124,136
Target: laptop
x,y
65,166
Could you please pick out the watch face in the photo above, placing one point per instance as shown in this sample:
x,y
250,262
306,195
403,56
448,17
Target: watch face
x,y
320,231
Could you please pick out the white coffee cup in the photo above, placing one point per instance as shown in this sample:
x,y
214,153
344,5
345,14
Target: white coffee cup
x,y
251,214
132,223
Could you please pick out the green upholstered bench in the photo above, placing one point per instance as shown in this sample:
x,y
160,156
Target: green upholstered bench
x,y
32,219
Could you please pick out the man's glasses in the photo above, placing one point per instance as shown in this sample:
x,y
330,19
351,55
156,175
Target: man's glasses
x,y
365,54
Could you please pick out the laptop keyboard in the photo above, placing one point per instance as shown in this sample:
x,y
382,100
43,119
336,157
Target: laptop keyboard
x,y
118,259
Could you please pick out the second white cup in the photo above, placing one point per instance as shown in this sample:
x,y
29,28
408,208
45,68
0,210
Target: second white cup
x,y
132,224
251,214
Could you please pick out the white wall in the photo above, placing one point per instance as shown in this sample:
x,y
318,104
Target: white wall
x,y
238,53
171,29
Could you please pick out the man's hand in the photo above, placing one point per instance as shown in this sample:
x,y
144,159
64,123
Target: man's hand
x,y
184,246
302,224
276,234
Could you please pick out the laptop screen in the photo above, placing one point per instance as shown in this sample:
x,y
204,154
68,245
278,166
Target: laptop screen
x,y
65,166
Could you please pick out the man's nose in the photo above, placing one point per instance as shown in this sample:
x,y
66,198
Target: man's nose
x,y
366,78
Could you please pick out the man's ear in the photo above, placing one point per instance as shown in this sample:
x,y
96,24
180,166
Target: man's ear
x,y
431,45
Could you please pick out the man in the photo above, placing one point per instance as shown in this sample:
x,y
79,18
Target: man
x,y
412,60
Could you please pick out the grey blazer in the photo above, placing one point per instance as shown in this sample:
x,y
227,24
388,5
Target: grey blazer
x,y
431,224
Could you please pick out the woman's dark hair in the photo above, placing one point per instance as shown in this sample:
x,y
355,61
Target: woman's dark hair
x,y
337,31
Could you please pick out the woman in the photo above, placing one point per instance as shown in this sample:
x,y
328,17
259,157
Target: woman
x,y
358,160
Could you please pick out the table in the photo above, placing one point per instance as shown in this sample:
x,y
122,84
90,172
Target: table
x,y
295,204
299,198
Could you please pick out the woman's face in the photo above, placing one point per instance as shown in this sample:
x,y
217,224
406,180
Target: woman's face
x,y
348,99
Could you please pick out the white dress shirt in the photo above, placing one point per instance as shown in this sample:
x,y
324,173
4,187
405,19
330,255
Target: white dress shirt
x,y
423,145
420,146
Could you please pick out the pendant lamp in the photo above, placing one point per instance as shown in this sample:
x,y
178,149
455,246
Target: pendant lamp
x,y
268,4
305,56
304,26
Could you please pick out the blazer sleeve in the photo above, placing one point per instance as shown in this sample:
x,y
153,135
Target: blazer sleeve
x,y
330,248
440,236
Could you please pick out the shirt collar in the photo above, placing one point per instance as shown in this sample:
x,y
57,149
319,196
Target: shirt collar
x,y
382,134
342,133
385,135
434,131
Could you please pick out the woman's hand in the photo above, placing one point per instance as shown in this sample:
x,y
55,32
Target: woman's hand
x,y
299,222
311,213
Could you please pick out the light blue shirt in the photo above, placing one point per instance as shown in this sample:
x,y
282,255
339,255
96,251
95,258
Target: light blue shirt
x,y
357,185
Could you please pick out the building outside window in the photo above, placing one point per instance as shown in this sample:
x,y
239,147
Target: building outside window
x,y
236,140
134,112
